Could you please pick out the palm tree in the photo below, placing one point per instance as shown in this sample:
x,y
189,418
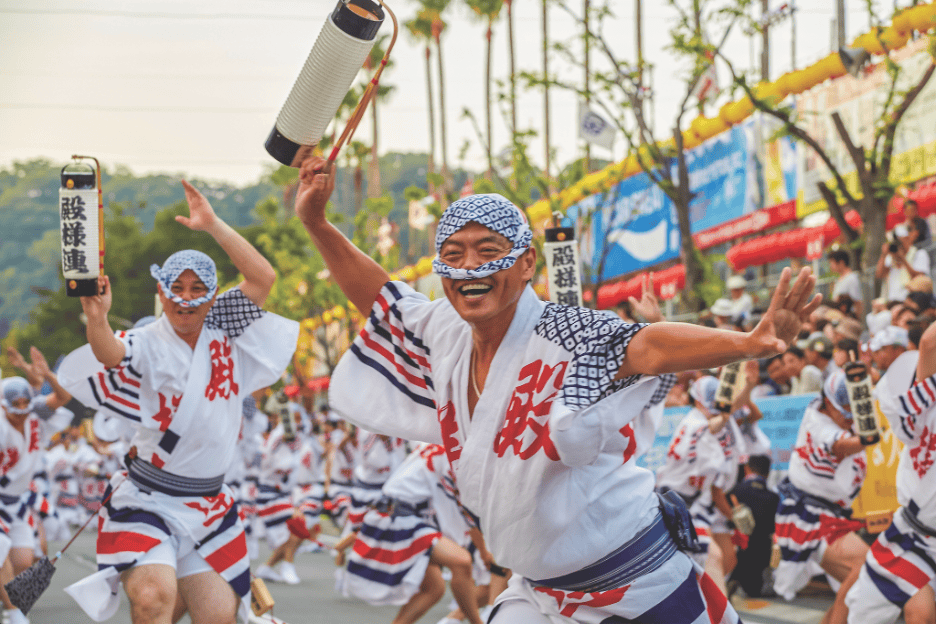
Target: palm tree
x,y
488,10
370,65
420,27
434,9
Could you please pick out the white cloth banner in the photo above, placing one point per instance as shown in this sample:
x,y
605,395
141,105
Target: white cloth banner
x,y
594,128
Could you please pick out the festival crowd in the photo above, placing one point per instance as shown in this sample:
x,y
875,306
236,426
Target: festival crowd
x,y
488,440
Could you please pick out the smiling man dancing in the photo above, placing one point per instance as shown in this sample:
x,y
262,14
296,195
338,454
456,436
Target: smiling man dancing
x,y
532,402
170,531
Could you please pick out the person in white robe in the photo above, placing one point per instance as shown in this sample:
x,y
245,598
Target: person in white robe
x,y
531,402
899,572
170,530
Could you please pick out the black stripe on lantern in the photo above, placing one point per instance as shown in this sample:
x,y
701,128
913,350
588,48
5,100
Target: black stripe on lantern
x,y
339,52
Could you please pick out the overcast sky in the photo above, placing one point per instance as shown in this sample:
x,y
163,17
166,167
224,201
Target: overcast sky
x,y
194,86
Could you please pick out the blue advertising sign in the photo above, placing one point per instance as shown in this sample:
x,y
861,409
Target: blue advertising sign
x,y
634,225
782,416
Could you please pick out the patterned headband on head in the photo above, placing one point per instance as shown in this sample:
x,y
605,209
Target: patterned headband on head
x,y
835,390
496,213
199,263
703,390
15,388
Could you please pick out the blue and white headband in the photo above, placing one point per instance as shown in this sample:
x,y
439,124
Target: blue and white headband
x,y
16,388
199,263
835,390
496,213
703,390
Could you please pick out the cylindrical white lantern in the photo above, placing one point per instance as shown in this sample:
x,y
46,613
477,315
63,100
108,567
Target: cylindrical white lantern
x,y
562,266
80,227
860,390
339,52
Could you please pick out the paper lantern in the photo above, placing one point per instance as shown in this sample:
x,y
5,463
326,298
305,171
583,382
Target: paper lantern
x,y
326,318
902,22
562,266
338,54
739,110
81,226
922,17
338,312
767,92
799,82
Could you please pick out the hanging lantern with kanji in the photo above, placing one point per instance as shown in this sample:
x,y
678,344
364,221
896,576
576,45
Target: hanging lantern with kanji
x,y
81,216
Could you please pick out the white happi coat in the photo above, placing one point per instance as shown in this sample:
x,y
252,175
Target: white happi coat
x,y
693,458
544,460
185,404
903,559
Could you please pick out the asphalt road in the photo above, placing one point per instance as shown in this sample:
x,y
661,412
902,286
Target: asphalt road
x,y
315,601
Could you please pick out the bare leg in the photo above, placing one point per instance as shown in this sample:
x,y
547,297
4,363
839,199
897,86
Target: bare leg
x,y
278,554
481,593
430,592
210,598
6,575
921,608
22,558
721,559
498,585
152,593
843,561
290,547
447,553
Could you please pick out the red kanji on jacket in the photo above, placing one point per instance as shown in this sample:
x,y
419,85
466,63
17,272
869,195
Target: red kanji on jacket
x,y
222,371
923,454
166,410
528,411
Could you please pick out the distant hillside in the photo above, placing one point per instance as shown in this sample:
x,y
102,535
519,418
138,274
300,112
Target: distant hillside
x,y
30,252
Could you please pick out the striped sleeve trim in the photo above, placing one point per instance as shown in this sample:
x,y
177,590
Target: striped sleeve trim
x,y
394,351
116,390
920,397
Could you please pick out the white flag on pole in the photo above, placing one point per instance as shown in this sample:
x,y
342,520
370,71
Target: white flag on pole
x,y
594,128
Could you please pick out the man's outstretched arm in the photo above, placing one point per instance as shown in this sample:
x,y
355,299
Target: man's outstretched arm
x,y
258,273
677,347
357,274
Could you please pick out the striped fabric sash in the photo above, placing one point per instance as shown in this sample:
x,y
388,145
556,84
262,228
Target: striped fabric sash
x,y
148,478
910,515
646,552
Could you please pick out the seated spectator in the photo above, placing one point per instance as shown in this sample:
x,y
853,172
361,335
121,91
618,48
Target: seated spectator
x,y
887,345
921,283
847,287
753,569
776,382
901,315
804,378
847,328
819,351
741,303
845,349
879,317
915,331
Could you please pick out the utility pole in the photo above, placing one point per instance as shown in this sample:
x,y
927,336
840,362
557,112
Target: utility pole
x,y
840,23
638,19
792,38
546,86
585,11
765,41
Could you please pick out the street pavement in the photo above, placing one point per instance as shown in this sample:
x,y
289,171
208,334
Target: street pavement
x,y
314,601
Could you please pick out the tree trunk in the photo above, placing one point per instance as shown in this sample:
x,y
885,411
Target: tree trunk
x,y
546,167
874,238
432,141
487,103
446,182
513,68
687,249
373,175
